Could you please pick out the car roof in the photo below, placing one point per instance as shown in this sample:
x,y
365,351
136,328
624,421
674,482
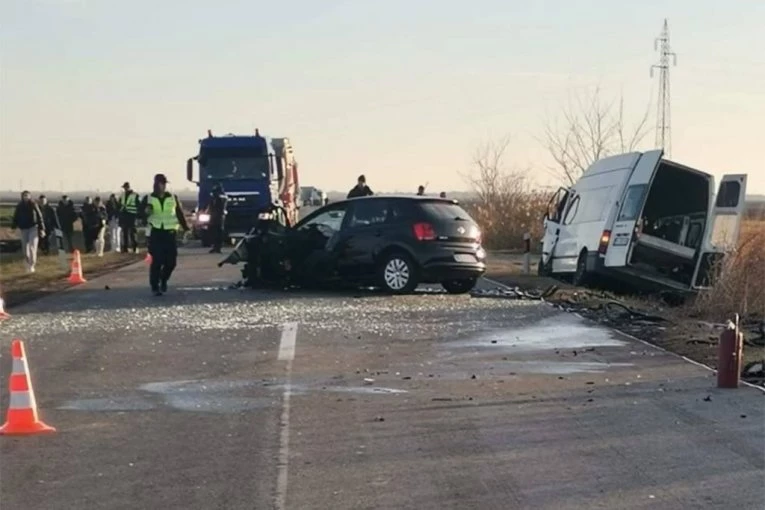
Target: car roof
x,y
414,198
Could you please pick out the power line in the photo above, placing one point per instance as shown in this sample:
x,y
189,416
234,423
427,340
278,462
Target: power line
x,y
663,108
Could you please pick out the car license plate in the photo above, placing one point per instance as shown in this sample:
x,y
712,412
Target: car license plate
x,y
621,241
464,257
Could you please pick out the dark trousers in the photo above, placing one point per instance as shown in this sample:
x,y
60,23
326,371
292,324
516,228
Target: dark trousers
x,y
68,240
45,242
217,232
164,256
129,235
89,238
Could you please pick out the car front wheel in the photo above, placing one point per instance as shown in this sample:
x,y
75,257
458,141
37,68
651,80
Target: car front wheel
x,y
459,286
398,274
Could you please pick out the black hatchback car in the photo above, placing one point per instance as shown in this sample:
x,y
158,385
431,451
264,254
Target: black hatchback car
x,y
393,242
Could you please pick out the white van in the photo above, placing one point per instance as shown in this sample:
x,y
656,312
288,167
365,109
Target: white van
x,y
642,219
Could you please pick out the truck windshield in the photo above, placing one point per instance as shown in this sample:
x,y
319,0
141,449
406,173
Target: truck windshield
x,y
231,168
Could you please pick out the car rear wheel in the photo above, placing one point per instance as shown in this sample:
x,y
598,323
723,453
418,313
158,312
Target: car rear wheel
x,y
398,273
459,286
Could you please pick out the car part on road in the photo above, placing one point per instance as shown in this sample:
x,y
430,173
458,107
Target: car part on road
x,y
515,293
459,286
628,313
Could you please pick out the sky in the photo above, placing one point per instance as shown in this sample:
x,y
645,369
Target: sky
x,y
96,92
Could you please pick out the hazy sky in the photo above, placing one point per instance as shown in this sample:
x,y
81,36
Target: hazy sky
x,y
95,92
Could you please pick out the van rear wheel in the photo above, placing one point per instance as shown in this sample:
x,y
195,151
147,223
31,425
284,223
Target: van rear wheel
x,y
581,276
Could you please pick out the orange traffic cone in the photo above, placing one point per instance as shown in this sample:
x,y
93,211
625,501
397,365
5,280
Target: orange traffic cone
x,y
3,314
75,277
22,416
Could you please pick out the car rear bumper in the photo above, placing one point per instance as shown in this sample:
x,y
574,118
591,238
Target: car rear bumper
x,y
438,272
452,262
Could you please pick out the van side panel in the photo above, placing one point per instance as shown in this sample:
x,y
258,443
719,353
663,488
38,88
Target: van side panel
x,y
593,198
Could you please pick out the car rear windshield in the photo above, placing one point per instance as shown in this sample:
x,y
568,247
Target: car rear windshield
x,y
445,211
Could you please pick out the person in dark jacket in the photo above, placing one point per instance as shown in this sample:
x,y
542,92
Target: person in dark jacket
x,y
217,211
67,216
361,189
165,216
113,218
50,224
29,220
420,191
88,219
129,203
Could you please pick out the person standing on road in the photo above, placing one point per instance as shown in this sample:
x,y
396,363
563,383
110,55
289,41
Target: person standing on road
x,y
28,218
360,189
128,216
87,219
420,191
100,219
67,216
50,225
113,217
217,210
164,216
442,194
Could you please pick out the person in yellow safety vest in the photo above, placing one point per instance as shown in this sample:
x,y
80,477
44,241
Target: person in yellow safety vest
x,y
127,218
164,216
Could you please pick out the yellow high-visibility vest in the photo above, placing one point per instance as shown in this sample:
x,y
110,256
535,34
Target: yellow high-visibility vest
x,y
162,216
130,203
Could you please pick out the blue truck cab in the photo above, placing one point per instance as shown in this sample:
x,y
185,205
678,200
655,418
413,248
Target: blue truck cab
x,y
255,172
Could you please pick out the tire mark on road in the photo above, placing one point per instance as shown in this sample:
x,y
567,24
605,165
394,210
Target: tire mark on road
x,y
286,353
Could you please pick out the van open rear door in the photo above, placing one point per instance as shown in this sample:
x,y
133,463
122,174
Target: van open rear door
x,y
617,241
722,228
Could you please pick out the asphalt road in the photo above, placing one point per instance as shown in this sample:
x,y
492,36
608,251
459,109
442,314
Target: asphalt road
x,y
211,398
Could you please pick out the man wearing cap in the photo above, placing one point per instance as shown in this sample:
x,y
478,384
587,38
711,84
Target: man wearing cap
x,y
164,215
128,216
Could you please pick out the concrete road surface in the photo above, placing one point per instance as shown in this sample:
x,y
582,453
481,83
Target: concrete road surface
x,y
210,398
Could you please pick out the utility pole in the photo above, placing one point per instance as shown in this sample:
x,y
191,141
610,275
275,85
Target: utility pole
x,y
663,109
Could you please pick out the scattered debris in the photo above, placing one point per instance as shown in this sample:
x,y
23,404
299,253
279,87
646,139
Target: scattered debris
x,y
708,398
379,418
369,380
473,376
441,399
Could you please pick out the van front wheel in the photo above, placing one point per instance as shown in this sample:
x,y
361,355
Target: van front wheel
x,y
581,276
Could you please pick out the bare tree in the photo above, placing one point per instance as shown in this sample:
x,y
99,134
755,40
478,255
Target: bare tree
x,y
590,128
506,205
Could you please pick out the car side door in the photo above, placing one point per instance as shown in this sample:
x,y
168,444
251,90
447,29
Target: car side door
x,y
364,231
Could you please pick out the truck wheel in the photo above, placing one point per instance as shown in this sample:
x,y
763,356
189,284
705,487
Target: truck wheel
x,y
581,277
397,273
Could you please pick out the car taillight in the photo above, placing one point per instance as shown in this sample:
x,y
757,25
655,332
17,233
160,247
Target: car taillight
x,y
424,231
605,238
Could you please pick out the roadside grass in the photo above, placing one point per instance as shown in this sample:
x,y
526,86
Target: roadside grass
x,y
17,286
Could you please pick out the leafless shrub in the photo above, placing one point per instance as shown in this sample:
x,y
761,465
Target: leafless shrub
x,y
506,204
738,280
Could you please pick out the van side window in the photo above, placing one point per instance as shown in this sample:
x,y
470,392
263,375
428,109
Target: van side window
x,y
572,210
729,194
633,202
